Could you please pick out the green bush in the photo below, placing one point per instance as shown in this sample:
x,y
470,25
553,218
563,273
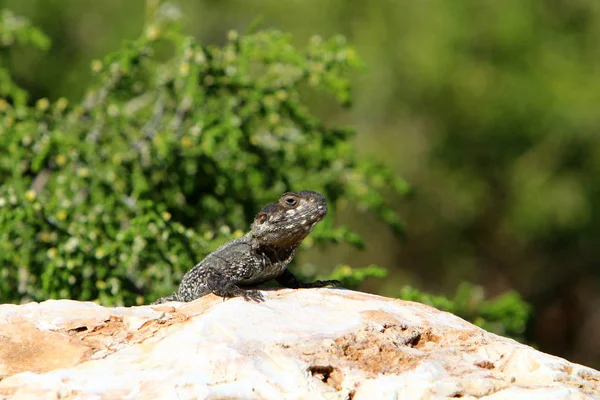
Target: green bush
x,y
172,151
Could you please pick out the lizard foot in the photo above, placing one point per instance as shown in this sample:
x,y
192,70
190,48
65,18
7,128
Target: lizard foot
x,y
253,295
318,284
163,300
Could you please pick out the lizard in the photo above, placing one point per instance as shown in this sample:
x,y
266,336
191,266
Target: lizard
x,y
260,255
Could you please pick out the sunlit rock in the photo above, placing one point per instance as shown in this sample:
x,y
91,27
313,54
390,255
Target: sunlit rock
x,y
298,344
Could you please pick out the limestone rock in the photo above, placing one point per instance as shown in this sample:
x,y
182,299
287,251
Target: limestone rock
x,y
298,344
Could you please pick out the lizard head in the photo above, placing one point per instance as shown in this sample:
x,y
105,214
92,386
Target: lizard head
x,y
290,220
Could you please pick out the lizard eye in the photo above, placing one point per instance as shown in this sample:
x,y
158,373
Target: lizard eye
x,y
290,201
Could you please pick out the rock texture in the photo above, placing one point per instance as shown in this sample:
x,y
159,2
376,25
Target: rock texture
x,y
298,344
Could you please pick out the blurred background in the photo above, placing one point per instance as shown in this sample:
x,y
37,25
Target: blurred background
x,y
489,109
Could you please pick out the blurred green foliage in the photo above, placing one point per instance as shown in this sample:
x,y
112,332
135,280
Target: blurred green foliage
x,y
173,149
505,315
351,278
114,198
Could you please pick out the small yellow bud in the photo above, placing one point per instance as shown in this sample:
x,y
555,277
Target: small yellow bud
x,y
52,252
274,118
30,195
83,172
318,67
152,32
62,103
200,58
96,66
42,104
187,143
232,35
281,95
113,110
316,40
45,237
61,160
184,68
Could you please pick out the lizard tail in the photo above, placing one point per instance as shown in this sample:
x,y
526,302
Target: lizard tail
x,y
162,300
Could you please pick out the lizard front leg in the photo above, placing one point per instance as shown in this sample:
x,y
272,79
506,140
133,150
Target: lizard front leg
x,y
288,279
219,284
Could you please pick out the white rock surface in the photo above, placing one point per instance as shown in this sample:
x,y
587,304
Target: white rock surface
x,y
299,344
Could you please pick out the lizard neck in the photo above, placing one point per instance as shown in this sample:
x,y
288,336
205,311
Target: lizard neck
x,y
278,254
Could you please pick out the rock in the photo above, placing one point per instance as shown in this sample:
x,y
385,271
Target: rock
x,y
299,344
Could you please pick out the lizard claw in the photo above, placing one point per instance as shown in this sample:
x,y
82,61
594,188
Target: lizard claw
x,y
253,295
318,284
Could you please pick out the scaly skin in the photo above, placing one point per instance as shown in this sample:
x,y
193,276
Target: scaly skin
x,y
261,255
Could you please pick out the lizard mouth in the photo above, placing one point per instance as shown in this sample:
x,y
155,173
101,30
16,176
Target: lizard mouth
x,y
321,212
